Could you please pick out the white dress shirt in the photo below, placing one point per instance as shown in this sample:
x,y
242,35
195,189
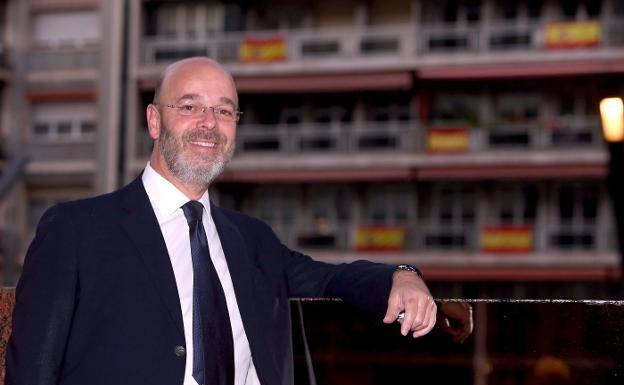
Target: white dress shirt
x,y
167,202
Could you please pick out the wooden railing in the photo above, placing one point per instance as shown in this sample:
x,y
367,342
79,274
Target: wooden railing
x,y
7,301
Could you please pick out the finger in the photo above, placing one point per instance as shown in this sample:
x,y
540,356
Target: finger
x,y
394,307
429,324
415,314
424,317
411,312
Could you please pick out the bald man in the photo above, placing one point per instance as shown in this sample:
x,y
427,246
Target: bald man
x,y
114,287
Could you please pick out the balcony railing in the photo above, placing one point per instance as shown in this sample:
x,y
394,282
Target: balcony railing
x,y
62,150
64,59
413,137
430,236
406,137
407,41
401,136
474,342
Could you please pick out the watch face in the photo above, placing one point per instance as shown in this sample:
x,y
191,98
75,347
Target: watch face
x,y
409,268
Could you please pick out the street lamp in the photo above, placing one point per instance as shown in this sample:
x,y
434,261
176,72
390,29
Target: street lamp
x,y
612,115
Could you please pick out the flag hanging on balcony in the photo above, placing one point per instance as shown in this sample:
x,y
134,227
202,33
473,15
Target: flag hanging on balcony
x,y
259,50
448,140
379,238
507,239
572,34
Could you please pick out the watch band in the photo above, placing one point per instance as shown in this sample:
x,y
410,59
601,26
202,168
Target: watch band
x,y
411,268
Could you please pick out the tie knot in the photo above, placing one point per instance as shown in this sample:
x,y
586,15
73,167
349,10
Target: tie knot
x,y
193,211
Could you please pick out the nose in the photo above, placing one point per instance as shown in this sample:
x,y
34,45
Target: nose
x,y
208,119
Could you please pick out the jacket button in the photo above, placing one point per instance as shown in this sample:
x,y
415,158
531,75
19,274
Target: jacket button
x,y
180,351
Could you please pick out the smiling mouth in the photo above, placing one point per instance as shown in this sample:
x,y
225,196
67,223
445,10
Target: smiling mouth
x,y
205,144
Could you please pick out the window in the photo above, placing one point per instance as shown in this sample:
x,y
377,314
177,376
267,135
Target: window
x,y
386,107
75,28
328,217
279,207
389,205
188,20
575,216
534,8
448,216
63,120
514,205
518,108
575,9
460,109
455,10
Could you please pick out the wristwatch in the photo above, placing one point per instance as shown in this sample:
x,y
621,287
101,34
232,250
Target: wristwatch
x,y
411,268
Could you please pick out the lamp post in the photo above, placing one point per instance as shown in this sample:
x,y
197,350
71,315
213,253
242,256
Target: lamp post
x,y
612,115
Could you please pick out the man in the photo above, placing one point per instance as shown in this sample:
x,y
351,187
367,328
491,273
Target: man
x,y
114,289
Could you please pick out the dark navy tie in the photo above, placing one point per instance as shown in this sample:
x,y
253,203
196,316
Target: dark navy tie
x,y
213,348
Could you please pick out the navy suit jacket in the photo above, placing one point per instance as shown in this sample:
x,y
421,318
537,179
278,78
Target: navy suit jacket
x,y
97,302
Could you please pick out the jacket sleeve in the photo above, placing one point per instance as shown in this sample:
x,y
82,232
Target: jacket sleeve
x,y
46,296
361,283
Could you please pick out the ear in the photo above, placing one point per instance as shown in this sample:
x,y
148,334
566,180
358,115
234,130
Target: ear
x,y
153,121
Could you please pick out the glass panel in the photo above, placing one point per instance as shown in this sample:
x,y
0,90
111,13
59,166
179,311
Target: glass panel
x,y
473,10
87,128
495,342
41,129
594,7
64,128
569,8
534,8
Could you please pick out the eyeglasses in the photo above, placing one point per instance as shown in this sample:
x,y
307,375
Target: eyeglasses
x,y
223,113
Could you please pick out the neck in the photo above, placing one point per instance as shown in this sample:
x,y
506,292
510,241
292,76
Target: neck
x,y
191,190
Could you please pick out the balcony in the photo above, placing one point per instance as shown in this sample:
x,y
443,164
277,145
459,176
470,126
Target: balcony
x,y
498,341
413,137
64,59
365,44
429,237
338,138
62,150
421,144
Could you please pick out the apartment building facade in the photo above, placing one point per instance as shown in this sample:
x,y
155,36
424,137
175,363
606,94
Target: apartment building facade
x,y
59,109
461,136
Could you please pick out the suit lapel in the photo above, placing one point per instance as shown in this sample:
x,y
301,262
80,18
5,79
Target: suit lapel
x,y
239,264
140,223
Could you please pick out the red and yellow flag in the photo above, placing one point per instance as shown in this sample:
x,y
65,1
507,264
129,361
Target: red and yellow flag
x,y
270,49
448,140
572,34
379,238
507,239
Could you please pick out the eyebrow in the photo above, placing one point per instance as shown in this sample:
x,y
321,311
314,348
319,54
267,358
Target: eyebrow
x,y
188,97
227,101
222,99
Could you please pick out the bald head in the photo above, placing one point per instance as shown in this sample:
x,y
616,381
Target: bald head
x,y
192,64
191,149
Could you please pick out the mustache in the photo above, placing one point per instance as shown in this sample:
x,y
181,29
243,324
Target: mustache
x,y
204,135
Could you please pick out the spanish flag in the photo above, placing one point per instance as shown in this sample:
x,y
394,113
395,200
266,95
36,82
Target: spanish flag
x,y
507,239
448,140
572,34
263,49
379,238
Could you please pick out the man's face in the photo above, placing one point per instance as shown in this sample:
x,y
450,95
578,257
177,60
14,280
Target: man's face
x,y
195,148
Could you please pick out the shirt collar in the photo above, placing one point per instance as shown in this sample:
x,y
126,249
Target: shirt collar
x,y
164,196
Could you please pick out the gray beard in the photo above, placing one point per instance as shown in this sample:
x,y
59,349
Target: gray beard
x,y
184,169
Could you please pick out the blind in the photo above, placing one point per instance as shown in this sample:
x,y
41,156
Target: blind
x,y
73,28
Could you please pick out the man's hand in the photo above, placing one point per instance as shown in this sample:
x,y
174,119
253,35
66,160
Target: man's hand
x,y
456,320
409,293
